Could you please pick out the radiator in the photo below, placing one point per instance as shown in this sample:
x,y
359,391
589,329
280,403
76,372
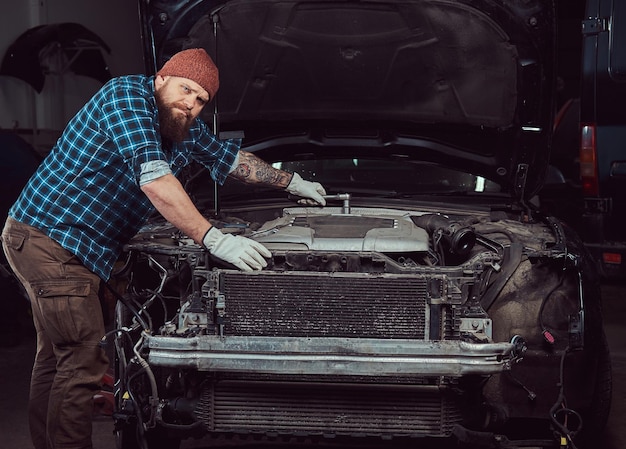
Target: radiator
x,y
309,304
326,409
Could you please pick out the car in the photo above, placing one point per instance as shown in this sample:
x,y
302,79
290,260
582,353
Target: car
x,y
589,128
602,131
430,302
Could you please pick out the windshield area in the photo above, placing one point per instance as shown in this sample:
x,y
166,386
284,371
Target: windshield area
x,y
365,177
400,176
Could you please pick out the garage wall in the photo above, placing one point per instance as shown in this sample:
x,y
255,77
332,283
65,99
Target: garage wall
x,y
41,116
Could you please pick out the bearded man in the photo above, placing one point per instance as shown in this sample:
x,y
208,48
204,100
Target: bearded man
x,y
115,163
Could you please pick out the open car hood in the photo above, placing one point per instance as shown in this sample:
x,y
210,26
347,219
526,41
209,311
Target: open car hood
x,y
468,84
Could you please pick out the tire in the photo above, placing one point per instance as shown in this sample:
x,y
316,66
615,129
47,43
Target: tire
x,y
596,417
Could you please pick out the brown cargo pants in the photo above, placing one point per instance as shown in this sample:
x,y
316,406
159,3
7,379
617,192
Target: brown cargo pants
x,y
69,363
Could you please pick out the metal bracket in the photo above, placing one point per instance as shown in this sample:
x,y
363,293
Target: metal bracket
x,y
594,25
521,176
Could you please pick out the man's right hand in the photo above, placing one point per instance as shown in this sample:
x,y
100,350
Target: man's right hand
x,y
312,193
244,253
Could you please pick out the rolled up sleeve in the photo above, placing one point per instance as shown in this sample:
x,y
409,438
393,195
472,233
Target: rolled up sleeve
x,y
152,170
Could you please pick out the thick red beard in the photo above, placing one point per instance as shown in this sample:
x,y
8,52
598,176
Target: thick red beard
x,y
174,125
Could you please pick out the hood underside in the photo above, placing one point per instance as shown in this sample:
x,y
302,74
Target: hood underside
x,y
458,81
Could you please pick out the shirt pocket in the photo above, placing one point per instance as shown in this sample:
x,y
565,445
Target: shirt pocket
x,y
70,313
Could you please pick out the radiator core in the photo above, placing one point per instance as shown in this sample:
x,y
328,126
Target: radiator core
x,y
325,305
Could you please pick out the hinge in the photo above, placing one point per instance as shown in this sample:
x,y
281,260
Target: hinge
x,y
520,180
521,176
594,25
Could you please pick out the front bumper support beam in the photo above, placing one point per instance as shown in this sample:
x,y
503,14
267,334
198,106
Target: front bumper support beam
x,y
331,356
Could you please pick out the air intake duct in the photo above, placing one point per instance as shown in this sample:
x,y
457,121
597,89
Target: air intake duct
x,y
458,238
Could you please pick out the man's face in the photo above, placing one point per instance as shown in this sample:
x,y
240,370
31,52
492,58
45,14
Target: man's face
x,y
180,101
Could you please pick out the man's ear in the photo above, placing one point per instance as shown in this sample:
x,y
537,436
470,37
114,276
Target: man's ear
x,y
159,80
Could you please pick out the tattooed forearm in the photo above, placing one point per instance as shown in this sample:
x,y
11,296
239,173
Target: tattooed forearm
x,y
251,169
242,171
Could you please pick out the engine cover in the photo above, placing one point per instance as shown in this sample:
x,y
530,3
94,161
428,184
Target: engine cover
x,y
343,232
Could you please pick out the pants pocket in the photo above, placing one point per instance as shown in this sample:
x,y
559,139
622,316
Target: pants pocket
x,y
14,239
70,310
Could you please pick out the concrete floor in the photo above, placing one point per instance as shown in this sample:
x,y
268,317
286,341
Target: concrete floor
x,y
16,362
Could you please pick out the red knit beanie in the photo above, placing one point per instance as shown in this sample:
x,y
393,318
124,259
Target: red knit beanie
x,y
194,64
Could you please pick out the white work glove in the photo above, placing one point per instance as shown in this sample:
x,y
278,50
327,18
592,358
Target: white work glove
x,y
310,191
242,252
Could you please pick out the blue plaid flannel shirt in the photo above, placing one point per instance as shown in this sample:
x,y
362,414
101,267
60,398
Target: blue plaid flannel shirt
x,y
86,196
